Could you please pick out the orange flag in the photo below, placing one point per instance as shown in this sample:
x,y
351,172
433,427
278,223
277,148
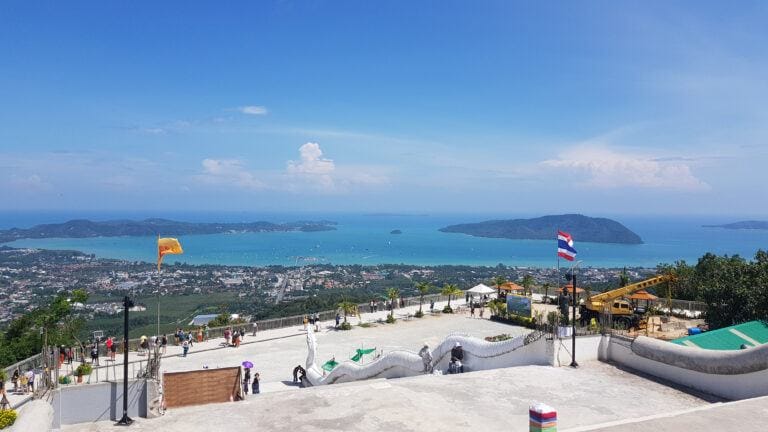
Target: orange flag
x,y
166,246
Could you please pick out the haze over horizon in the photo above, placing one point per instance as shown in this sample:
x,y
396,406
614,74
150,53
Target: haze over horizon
x,y
432,107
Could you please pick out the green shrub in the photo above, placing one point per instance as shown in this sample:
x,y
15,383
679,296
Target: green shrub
x,y
345,326
65,380
83,369
391,319
418,314
3,375
447,309
365,324
7,418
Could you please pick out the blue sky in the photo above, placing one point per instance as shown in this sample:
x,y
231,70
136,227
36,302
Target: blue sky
x,y
593,107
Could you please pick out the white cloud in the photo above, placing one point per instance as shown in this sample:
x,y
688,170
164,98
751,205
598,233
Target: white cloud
x,y
315,172
31,183
609,169
253,110
313,166
229,172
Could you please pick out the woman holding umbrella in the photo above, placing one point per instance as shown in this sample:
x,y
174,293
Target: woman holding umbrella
x,y
247,377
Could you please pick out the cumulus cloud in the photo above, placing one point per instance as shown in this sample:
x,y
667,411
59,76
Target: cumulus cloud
x,y
229,172
253,110
609,169
313,166
315,172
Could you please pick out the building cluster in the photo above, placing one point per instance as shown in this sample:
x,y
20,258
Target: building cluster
x,y
29,277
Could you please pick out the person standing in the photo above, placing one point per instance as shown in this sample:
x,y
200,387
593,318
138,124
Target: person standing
x,y
185,347
227,335
110,348
15,379
164,343
255,326
31,380
246,380
255,384
338,318
472,309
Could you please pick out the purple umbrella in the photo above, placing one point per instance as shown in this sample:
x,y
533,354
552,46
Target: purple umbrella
x,y
247,364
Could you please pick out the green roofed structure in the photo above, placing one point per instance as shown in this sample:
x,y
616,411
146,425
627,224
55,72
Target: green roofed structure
x,y
751,334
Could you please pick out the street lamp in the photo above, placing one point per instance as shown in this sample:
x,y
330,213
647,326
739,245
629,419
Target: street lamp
x,y
125,421
573,322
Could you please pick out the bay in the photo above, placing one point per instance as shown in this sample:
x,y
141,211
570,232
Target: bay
x,y
366,240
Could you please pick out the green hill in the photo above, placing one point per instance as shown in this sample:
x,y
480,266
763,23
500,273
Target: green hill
x,y
81,228
582,228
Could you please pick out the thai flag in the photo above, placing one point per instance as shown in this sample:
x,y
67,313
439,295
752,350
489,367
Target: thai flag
x,y
565,246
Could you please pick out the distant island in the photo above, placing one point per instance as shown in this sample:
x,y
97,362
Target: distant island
x,y
742,225
582,228
396,232
81,228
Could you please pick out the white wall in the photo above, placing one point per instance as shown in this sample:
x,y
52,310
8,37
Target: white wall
x,y
586,350
734,386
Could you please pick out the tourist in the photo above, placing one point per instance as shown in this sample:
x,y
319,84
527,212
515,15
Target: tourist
x,y
185,347
110,343
242,334
338,318
246,380
255,384
23,380
95,354
164,343
306,320
482,309
227,335
15,380
298,370
31,380
70,355
372,305
426,358
472,309
255,326
432,305
176,340
207,332
457,356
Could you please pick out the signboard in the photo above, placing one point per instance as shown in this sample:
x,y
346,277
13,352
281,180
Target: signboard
x,y
519,305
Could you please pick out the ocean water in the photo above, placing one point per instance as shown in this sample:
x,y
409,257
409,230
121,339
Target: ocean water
x,y
366,240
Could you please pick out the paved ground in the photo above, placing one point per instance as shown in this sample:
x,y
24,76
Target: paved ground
x,y
486,400
276,352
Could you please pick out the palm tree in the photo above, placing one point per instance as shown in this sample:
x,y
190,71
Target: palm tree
x,y
424,288
623,278
450,290
499,281
392,294
348,307
527,282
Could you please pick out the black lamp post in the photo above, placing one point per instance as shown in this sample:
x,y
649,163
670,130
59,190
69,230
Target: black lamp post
x,y
125,421
573,323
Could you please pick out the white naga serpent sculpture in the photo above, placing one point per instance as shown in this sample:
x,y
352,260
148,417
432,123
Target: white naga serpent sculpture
x,y
402,363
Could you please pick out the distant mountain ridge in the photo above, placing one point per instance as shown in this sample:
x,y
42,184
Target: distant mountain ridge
x,y
582,228
750,225
83,228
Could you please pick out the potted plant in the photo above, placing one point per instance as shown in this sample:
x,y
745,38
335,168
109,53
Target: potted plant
x,y
83,369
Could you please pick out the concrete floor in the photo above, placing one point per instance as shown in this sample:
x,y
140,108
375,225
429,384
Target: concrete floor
x,y
487,400
276,352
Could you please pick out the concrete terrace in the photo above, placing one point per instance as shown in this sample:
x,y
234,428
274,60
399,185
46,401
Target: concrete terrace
x,y
593,394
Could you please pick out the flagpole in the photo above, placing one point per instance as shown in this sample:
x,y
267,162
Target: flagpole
x,y
158,290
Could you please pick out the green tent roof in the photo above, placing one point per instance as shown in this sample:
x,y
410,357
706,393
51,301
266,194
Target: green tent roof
x,y
751,333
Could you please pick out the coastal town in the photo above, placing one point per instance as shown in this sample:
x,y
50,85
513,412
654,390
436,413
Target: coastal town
x,y
31,277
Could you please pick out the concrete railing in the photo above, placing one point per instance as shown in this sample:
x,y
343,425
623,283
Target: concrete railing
x,y
728,374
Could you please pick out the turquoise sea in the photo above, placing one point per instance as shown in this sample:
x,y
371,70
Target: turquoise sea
x,y
366,240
